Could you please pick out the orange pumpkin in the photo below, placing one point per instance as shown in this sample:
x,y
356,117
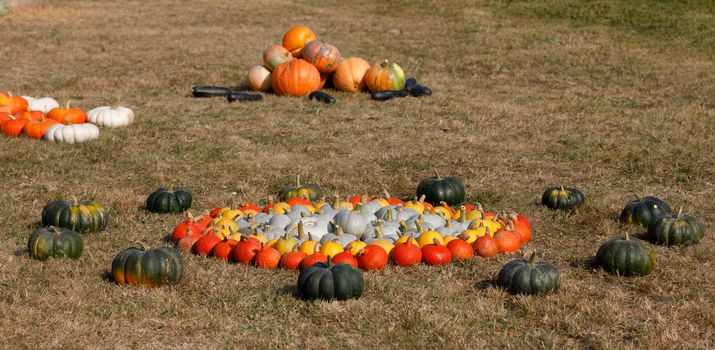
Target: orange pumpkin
x,y
5,117
30,115
274,55
15,103
295,39
350,73
67,114
296,77
385,75
13,126
5,109
322,55
37,128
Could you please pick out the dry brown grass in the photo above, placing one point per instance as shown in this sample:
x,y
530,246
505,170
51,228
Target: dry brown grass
x,y
527,95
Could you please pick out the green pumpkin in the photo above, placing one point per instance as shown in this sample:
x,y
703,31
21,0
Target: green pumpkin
x,y
437,189
678,229
327,281
54,242
79,216
311,191
626,256
643,211
171,200
562,198
521,276
148,267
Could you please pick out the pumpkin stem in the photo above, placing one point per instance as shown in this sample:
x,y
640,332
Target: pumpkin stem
x,y
75,202
637,198
297,180
301,230
170,188
680,213
389,215
403,226
68,104
387,194
463,214
448,224
55,230
336,202
419,226
189,216
338,230
562,188
435,241
533,256
436,175
628,238
142,245
422,198
378,233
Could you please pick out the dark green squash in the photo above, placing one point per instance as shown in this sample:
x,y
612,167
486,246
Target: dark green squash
x,y
313,192
644,210
327,281
626,256
521,276
54,242
171,200
148,267
562,198
678,229
437,189
79,216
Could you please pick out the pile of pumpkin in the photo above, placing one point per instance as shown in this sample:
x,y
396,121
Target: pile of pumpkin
x,y
303,228
303,64
43,118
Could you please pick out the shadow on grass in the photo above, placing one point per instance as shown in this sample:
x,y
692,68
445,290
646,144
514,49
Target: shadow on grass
x,y
588,263
291,290
485,284
20,252
107,277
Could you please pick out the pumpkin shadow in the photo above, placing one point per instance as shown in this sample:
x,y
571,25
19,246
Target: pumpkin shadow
x,y
107,277
485,284
35,225
589,264
290,289
168,239
20,252
240,88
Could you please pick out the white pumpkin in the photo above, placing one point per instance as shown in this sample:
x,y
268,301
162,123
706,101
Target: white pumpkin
x,y
111,117
73,133
44,104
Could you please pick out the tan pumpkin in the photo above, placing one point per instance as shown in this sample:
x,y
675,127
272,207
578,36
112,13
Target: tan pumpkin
x,y
350,73
322,55
259,78
296,77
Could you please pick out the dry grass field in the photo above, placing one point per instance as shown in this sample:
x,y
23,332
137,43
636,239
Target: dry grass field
x,y
614,97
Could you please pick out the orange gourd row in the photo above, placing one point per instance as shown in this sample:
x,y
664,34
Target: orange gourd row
x,y
16,119
303,64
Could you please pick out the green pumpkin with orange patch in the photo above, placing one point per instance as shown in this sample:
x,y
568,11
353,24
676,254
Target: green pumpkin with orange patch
x,y
145,267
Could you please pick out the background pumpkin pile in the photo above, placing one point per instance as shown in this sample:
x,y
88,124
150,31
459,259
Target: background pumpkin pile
x,y
303,228
303,64
43,118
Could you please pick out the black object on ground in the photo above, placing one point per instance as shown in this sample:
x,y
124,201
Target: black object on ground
x,y
322,97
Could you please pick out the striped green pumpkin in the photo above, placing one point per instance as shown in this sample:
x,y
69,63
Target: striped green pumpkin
x,y
54,242
79,216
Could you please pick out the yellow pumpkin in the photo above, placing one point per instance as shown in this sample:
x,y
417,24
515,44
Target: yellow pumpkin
x,y
309,247
428,237
281,208
331,248
285,244
225,224
355,247
384,244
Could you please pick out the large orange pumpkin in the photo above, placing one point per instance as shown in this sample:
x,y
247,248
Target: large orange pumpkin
x,y
296,77
350,73
37,128
322,55
15,103
385,75
295,39
67,114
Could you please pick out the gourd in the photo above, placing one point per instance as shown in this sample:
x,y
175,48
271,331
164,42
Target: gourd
x,y
300,190
521,276
327,281
349,75
385,75
677,229
322,55
437,189
626,256
562,198
79,216
111,116
54,242
169,200
72,133
148,267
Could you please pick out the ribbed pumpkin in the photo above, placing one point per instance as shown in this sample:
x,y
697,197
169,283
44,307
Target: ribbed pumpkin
x,y
322,55
13,126
385,75
437,189
520,276
295,39
327,281
349,75
54,242
562,198
36,129
148,267
296,78
626,256
68,115
678,229
644,210
300,190
14,103
79,216
171,200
